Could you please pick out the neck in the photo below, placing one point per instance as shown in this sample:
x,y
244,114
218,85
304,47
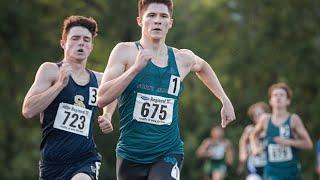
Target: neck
x,y
214,140
78,67
279,113
153,44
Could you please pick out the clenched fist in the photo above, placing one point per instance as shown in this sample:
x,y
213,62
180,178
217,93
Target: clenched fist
x,y
64,74
142,59
105,124
227,113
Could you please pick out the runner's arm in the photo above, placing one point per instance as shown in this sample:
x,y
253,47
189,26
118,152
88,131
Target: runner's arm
x,y
206,74
244,139
229,154
109,109
209,78
115,79
258,129
42,92
202,151
303,141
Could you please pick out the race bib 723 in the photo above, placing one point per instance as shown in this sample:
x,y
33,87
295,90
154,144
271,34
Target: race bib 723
x,y
73,119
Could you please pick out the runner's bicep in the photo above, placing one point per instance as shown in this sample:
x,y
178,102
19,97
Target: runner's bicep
x,y
300,129
43,80
116,64
112,71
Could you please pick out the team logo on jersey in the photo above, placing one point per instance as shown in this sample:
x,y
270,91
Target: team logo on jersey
x,y
78,101
284,131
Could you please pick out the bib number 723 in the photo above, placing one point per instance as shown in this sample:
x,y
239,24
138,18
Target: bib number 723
x,y
75,118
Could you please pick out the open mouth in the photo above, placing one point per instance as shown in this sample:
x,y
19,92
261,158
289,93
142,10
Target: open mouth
x,y
80,50
156,29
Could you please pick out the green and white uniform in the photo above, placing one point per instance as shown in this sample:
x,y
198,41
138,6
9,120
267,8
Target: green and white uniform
x,y
283,161
216,161
149,121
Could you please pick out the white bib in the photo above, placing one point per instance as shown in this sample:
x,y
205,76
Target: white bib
x,y
279,153
260,160
217,152
73,119
153,109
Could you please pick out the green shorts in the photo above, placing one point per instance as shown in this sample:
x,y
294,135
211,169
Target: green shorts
x,y
215,166
292,173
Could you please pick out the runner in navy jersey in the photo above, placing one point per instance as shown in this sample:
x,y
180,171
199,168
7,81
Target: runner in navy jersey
x,y
65,96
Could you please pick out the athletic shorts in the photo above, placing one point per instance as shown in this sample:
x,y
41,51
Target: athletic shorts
x,y
281,174
167,168
211,167
256,170
67,171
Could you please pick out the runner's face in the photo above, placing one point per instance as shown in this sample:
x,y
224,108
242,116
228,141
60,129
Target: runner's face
x,y
258,111
155,21
217,133
279,98
78,44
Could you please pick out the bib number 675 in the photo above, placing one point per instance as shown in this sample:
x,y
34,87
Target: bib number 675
x,y
158,110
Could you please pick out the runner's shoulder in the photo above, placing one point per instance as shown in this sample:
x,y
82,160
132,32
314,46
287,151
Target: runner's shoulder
x,y
49,68
185,56
249,128
124,51
48,71
125,46
265,118
183,52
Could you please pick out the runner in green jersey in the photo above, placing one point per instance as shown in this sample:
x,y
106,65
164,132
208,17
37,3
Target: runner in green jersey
x,y
146,79
218,154
285,134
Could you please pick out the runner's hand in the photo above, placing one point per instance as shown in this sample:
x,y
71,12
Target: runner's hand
x,y
105,124
227,113
143,57
64,74
256,150
281,140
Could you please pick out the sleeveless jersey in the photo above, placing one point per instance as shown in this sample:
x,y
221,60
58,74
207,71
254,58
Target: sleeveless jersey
x,y
217,151
257,160
68,123
149,113
280,157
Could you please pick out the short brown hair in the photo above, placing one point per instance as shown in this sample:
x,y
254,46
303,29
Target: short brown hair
x,y
86,22
143,5
261,104
283,86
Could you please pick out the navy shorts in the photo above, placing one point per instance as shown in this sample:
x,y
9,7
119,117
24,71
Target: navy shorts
x,y
67,171
167,168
